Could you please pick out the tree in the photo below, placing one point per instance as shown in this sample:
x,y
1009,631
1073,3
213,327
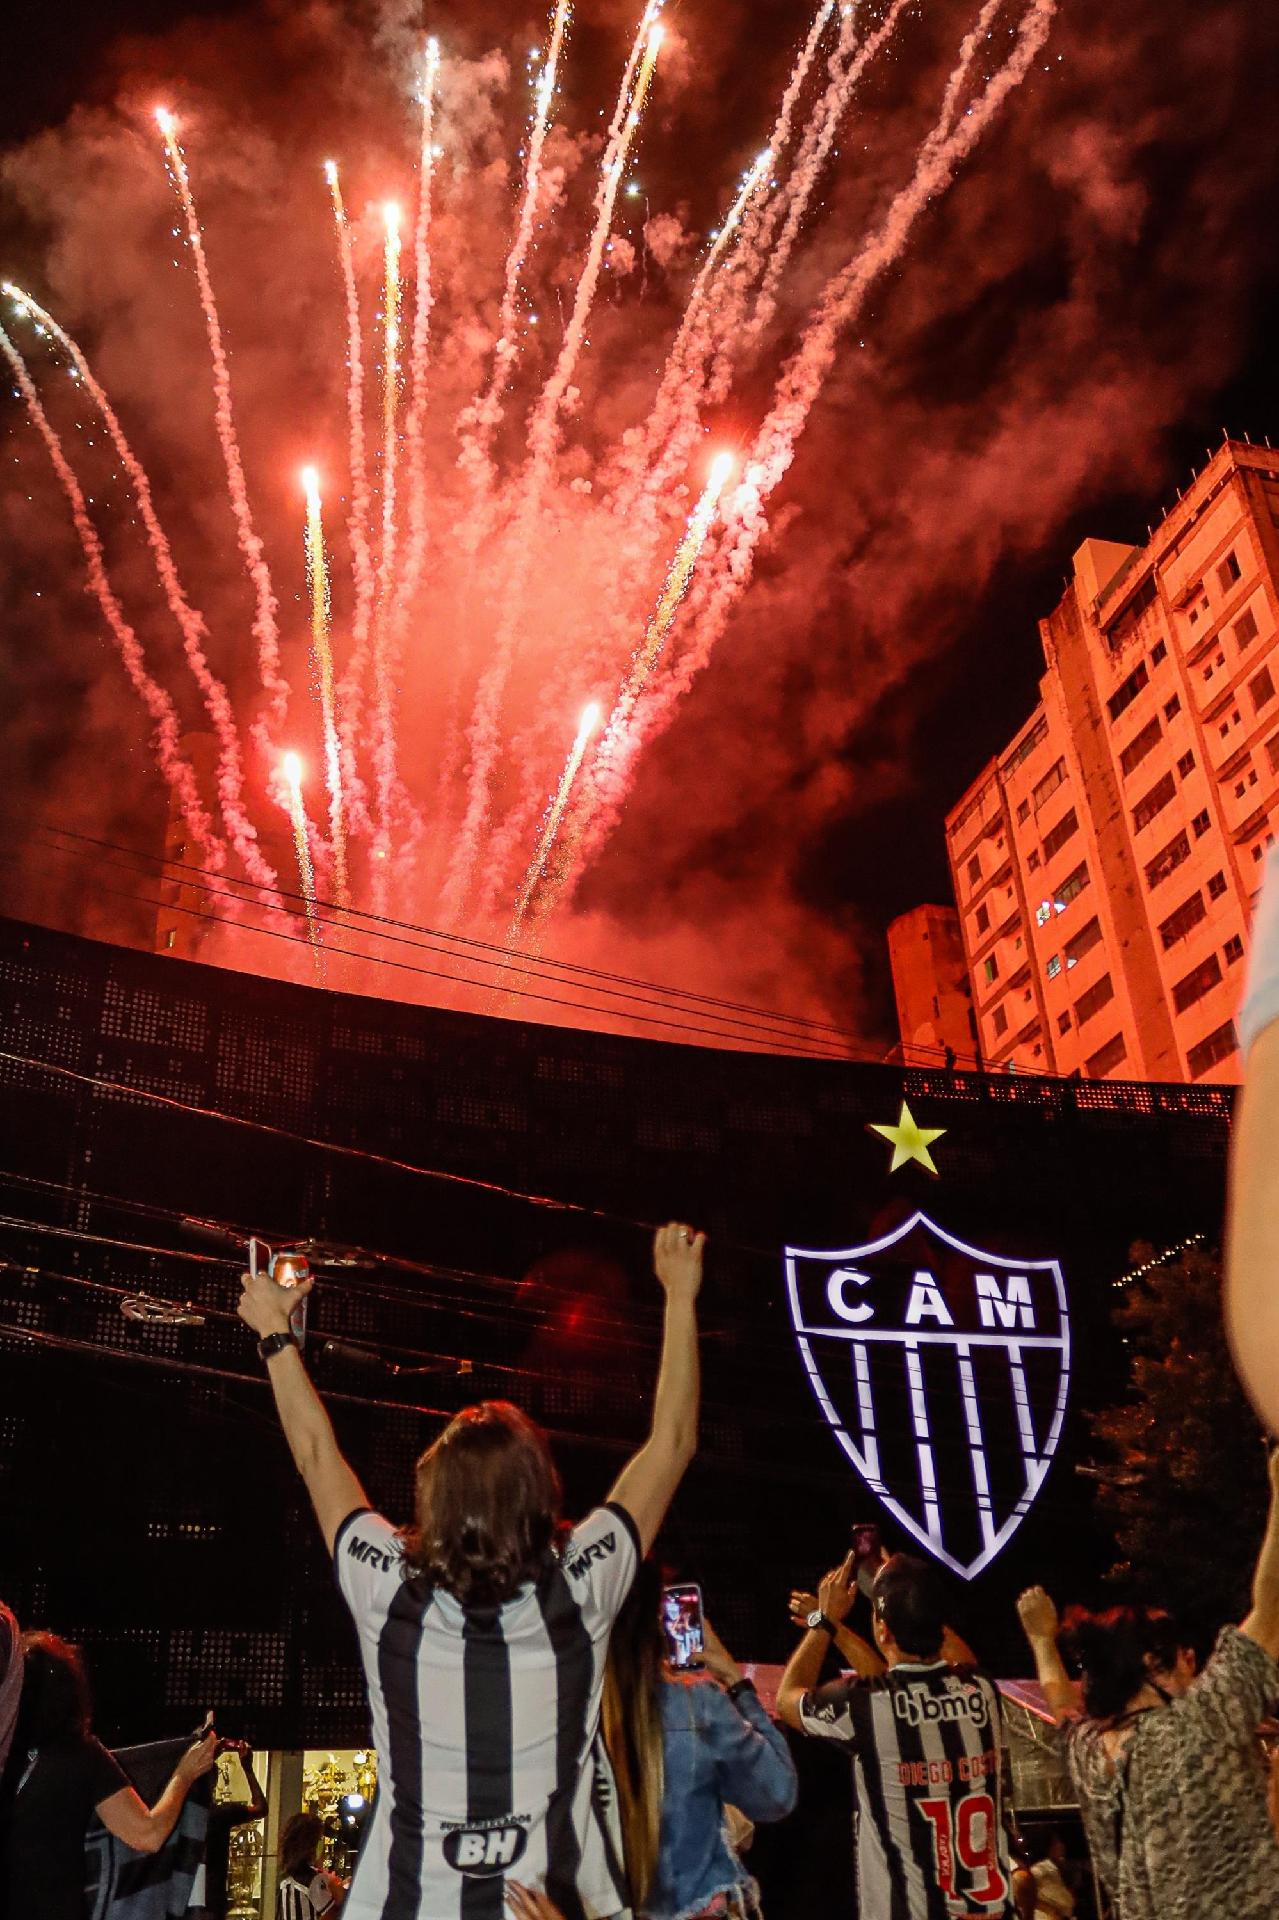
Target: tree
x,y
1180,1465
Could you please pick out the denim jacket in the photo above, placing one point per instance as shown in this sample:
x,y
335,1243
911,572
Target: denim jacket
x,y
717,1751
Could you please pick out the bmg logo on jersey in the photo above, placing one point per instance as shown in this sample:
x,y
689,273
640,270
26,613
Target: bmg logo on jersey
x,y
922,1709
487,1847
944,1372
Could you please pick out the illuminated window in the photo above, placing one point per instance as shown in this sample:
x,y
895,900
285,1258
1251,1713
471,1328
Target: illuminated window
x,y
1186,764
1245,629
1054,966
1158,653
1168,860
1100,994
1140,745
171,939
1195,984
1228,572
1107,1058
990,968
1201,823
1056,840
1154,803
1172,707
1233,949
1218,1046
1043,913
1262,688
1187,917
1216,886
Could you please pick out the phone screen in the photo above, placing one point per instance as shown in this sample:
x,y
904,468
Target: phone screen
x,y
682,1625
866,1541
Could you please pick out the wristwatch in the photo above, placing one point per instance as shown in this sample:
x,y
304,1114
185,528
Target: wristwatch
x,y
818,1623
274,1343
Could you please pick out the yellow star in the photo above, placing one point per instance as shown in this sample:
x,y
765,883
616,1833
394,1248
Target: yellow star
x,y
910,1141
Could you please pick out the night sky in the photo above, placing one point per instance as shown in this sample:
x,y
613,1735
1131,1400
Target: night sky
x,y
1068,331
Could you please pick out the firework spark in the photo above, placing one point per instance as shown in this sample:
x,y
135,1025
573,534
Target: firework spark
x,y
317,574
554,814
291,770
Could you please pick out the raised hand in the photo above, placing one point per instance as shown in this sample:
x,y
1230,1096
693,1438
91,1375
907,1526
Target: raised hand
x,y
1038,1614
677,1259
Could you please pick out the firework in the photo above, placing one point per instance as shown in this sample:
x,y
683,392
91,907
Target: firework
x,y
554,814
364,578
317,574
291,769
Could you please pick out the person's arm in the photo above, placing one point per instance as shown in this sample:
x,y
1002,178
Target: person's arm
x,y
1038,1617
1262,1623
126,1814
256,1807
804,1668
752,1760
856,1652
646,1485
335,1492
1252,1229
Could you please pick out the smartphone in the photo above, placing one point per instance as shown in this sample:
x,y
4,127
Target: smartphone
x,y
683,1627
868,1551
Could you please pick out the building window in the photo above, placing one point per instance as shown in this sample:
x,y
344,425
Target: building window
x,y
1126,693
1168,860
990,969
1228,572
1097,996
171,939
974,871
1240,789
1023,812
1049,784
1085,940
1272,752
1140,745
1172,707
1043,913
1056,840
1158,653
1233,949
1201,823
1194,985
1054,966
982,917
1187,917
1216,886
1032,861
1063,1022
1245,629
1186,764
1071,887
1026,745
1218,1046
1154,803
1262,689
1107,1058
999,1021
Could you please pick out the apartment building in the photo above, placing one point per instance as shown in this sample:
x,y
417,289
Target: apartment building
x,y
1106,862
930,984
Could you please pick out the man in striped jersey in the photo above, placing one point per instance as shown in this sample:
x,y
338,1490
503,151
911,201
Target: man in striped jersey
x,y
926,1748
483,1630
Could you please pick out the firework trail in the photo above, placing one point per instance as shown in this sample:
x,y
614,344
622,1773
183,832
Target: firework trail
x,y
483,738
554,814
317,576
189,621
174,764
814,153
265,627
480,421
383,666
800,383
351,690
419,351
291,769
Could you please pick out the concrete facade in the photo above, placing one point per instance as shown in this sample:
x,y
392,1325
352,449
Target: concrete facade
x,y
1106,863
930,983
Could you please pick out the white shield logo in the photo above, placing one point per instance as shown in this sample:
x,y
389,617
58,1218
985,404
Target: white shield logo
x,y
944,1373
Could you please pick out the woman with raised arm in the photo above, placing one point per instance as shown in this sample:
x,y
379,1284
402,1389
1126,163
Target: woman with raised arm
x,y
1167,1764
483,1630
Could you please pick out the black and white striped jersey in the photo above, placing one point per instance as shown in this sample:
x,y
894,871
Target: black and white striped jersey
x,y
486,1725
927,1755
319,1894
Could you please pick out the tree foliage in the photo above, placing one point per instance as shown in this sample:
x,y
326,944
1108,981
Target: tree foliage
x,y
1179,1464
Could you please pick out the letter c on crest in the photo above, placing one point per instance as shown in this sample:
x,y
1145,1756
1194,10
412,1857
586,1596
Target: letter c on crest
x,y
838,1299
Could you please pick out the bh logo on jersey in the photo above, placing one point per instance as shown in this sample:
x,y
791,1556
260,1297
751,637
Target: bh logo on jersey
x,y
943,1371
490,1848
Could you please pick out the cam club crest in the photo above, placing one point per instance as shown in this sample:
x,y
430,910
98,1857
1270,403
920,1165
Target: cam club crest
x,y
944,1372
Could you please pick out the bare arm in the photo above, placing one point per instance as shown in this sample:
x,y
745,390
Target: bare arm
x,y
126,1814
1252,1232
335,1492
1262,1624
1039,1622
804,1668
646,1485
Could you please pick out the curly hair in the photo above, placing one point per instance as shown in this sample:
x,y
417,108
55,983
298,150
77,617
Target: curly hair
x,y
1116,1653
487,1506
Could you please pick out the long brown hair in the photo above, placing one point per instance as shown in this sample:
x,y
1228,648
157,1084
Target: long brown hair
x,y
487,1507
633,1726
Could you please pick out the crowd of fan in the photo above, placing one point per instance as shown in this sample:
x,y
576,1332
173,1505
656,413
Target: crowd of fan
x,y
541,1754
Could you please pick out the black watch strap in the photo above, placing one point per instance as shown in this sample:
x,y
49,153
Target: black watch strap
x,y
739,1687
274,1343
